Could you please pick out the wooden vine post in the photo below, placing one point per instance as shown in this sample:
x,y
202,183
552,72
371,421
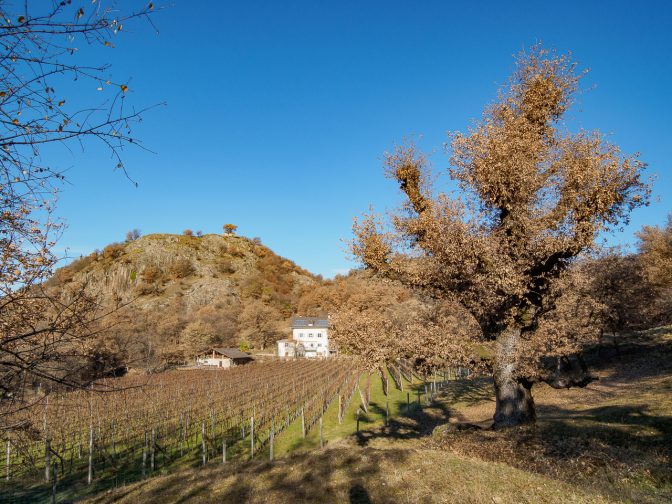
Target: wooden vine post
x,y
203,452
144,456
8,460
252,437
47,460
321,437
340,407
54,483
89,478
303,424
152,451
47,444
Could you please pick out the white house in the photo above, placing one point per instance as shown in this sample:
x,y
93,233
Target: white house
x,y
310,338
223,358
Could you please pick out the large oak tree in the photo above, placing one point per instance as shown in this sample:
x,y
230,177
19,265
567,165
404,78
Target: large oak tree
x,y
532,196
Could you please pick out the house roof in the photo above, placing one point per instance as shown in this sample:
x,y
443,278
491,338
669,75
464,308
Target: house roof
x,y
305,322
232,353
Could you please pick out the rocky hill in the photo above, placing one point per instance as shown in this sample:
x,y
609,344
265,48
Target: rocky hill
x,y
180,293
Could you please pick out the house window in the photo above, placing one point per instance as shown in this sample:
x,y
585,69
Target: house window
x,y
319,335
310,335
300,335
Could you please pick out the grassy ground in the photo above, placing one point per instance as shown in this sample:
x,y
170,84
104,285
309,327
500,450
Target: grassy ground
x,y
614,436
609,442
398,403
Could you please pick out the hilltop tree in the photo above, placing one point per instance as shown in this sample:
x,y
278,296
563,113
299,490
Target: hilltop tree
x,y
532,197
230,228
133,235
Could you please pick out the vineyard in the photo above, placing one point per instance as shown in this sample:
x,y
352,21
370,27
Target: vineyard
x,y
150,423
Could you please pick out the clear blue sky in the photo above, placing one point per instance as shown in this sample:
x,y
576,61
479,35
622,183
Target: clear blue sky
x,y
278,113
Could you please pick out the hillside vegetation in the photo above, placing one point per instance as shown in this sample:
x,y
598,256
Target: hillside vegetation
x,y
172,296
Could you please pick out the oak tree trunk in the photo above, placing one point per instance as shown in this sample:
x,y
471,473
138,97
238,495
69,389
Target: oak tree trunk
x,y
514,405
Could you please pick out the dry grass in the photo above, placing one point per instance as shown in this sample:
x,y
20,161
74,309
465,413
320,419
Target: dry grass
x,y
350,473
615,435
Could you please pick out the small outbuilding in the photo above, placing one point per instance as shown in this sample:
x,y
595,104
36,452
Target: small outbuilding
x,y
224,358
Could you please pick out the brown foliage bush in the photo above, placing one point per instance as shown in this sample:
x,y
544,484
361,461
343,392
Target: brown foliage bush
x,y
236,251
113,251
225,265
181,268
151,274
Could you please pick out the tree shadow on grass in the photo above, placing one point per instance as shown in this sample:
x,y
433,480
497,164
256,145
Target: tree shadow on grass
x,y
647,354
468,391
627,426
359,495
413,422
341,474
625,450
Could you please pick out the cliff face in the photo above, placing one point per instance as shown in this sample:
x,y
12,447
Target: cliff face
x,y
178,289
156,268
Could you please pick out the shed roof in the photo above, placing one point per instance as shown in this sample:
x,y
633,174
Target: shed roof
x,y
304,322
232,353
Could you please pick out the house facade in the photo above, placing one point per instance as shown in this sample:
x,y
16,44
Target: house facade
x,y
223,358
310,338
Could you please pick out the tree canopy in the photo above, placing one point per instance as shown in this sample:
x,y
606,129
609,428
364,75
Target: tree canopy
x,y
533,195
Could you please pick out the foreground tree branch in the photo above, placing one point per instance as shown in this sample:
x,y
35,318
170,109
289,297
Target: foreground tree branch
x,y
46,336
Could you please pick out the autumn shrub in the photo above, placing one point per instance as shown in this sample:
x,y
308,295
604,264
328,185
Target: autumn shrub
x,y
225,265
261,251
236,251
113,251
181,268
188,232
151,274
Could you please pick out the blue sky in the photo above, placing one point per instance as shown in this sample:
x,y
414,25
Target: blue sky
x,y
278,113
